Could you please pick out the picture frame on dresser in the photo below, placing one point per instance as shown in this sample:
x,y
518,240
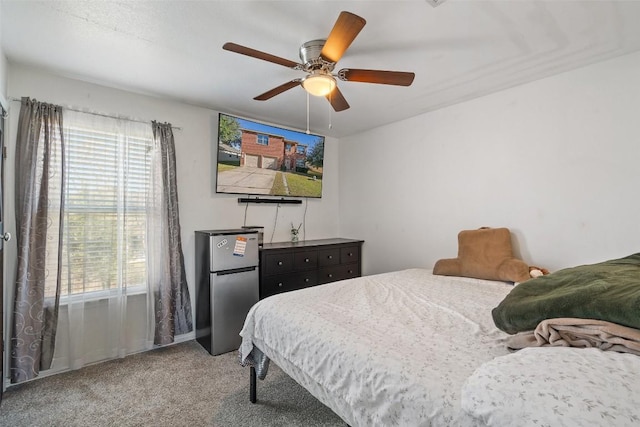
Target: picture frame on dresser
x,y
288,266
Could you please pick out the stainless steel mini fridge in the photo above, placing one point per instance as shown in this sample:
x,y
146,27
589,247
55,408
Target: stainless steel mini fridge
x,y
226,286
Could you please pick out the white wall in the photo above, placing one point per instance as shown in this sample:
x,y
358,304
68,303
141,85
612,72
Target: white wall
x,y
200,207
555,160
3,69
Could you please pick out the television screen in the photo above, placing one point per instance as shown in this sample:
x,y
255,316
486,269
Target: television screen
x,y
259,159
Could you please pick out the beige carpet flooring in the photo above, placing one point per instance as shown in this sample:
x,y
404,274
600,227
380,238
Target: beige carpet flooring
x,y
180,385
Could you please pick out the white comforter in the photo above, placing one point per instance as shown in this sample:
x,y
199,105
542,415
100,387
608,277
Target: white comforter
x,y
391,349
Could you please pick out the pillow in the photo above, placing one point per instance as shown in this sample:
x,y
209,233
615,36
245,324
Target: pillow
x,y
484,254
554,387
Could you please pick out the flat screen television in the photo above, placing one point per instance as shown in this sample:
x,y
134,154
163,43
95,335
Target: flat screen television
x,y
259,159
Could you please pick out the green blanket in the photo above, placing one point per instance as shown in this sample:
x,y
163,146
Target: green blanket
x,y
607,291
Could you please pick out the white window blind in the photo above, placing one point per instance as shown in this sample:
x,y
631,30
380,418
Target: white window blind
x,y
107,176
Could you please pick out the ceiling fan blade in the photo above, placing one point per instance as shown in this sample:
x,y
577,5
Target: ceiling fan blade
x,y
399,78
337,100
278,90
344,31
243,50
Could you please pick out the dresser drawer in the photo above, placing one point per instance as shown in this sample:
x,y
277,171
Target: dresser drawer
x,y
338,272
278,263
306,260
287,282
328,257
351,270
349,254
330,274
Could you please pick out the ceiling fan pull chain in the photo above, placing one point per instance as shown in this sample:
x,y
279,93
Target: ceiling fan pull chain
x,y
308,114
330,115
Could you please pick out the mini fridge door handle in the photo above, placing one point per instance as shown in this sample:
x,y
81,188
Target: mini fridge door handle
x,y
235,270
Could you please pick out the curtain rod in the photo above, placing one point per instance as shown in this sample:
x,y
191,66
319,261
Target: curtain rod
x,y
100,114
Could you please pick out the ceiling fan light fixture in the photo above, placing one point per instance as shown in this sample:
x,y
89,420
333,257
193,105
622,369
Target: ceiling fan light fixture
x,y
319,84
319,58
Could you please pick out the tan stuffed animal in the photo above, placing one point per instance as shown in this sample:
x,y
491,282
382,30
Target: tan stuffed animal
x,y
484,254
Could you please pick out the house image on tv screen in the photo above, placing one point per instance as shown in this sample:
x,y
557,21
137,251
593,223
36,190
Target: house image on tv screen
x,y
255,158
261,150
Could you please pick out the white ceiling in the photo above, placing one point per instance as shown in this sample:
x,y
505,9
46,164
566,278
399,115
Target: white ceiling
x,y
459,50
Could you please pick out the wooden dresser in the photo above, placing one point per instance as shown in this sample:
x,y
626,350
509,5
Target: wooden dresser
x,y
288,266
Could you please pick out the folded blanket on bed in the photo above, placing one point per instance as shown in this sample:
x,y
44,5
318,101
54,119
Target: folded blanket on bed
x,y
569,332
608,291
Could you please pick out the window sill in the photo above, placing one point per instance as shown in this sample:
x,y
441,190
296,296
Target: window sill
x,y
102,295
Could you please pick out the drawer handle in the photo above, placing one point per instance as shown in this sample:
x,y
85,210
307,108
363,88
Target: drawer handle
x,y
306,260
330,275
306,280
350,271
350,253
279,285
279,262
330,257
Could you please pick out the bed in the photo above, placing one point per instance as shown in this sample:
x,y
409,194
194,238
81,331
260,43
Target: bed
x,y
388,349
410,348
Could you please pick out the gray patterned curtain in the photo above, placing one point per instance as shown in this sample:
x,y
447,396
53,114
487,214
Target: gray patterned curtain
x,y
166,272
39,203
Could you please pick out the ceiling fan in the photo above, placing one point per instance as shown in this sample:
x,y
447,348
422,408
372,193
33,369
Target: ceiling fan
x,y
319,58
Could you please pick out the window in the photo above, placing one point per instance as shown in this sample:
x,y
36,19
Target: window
x,y
301,149
263,139
300,163
107,177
